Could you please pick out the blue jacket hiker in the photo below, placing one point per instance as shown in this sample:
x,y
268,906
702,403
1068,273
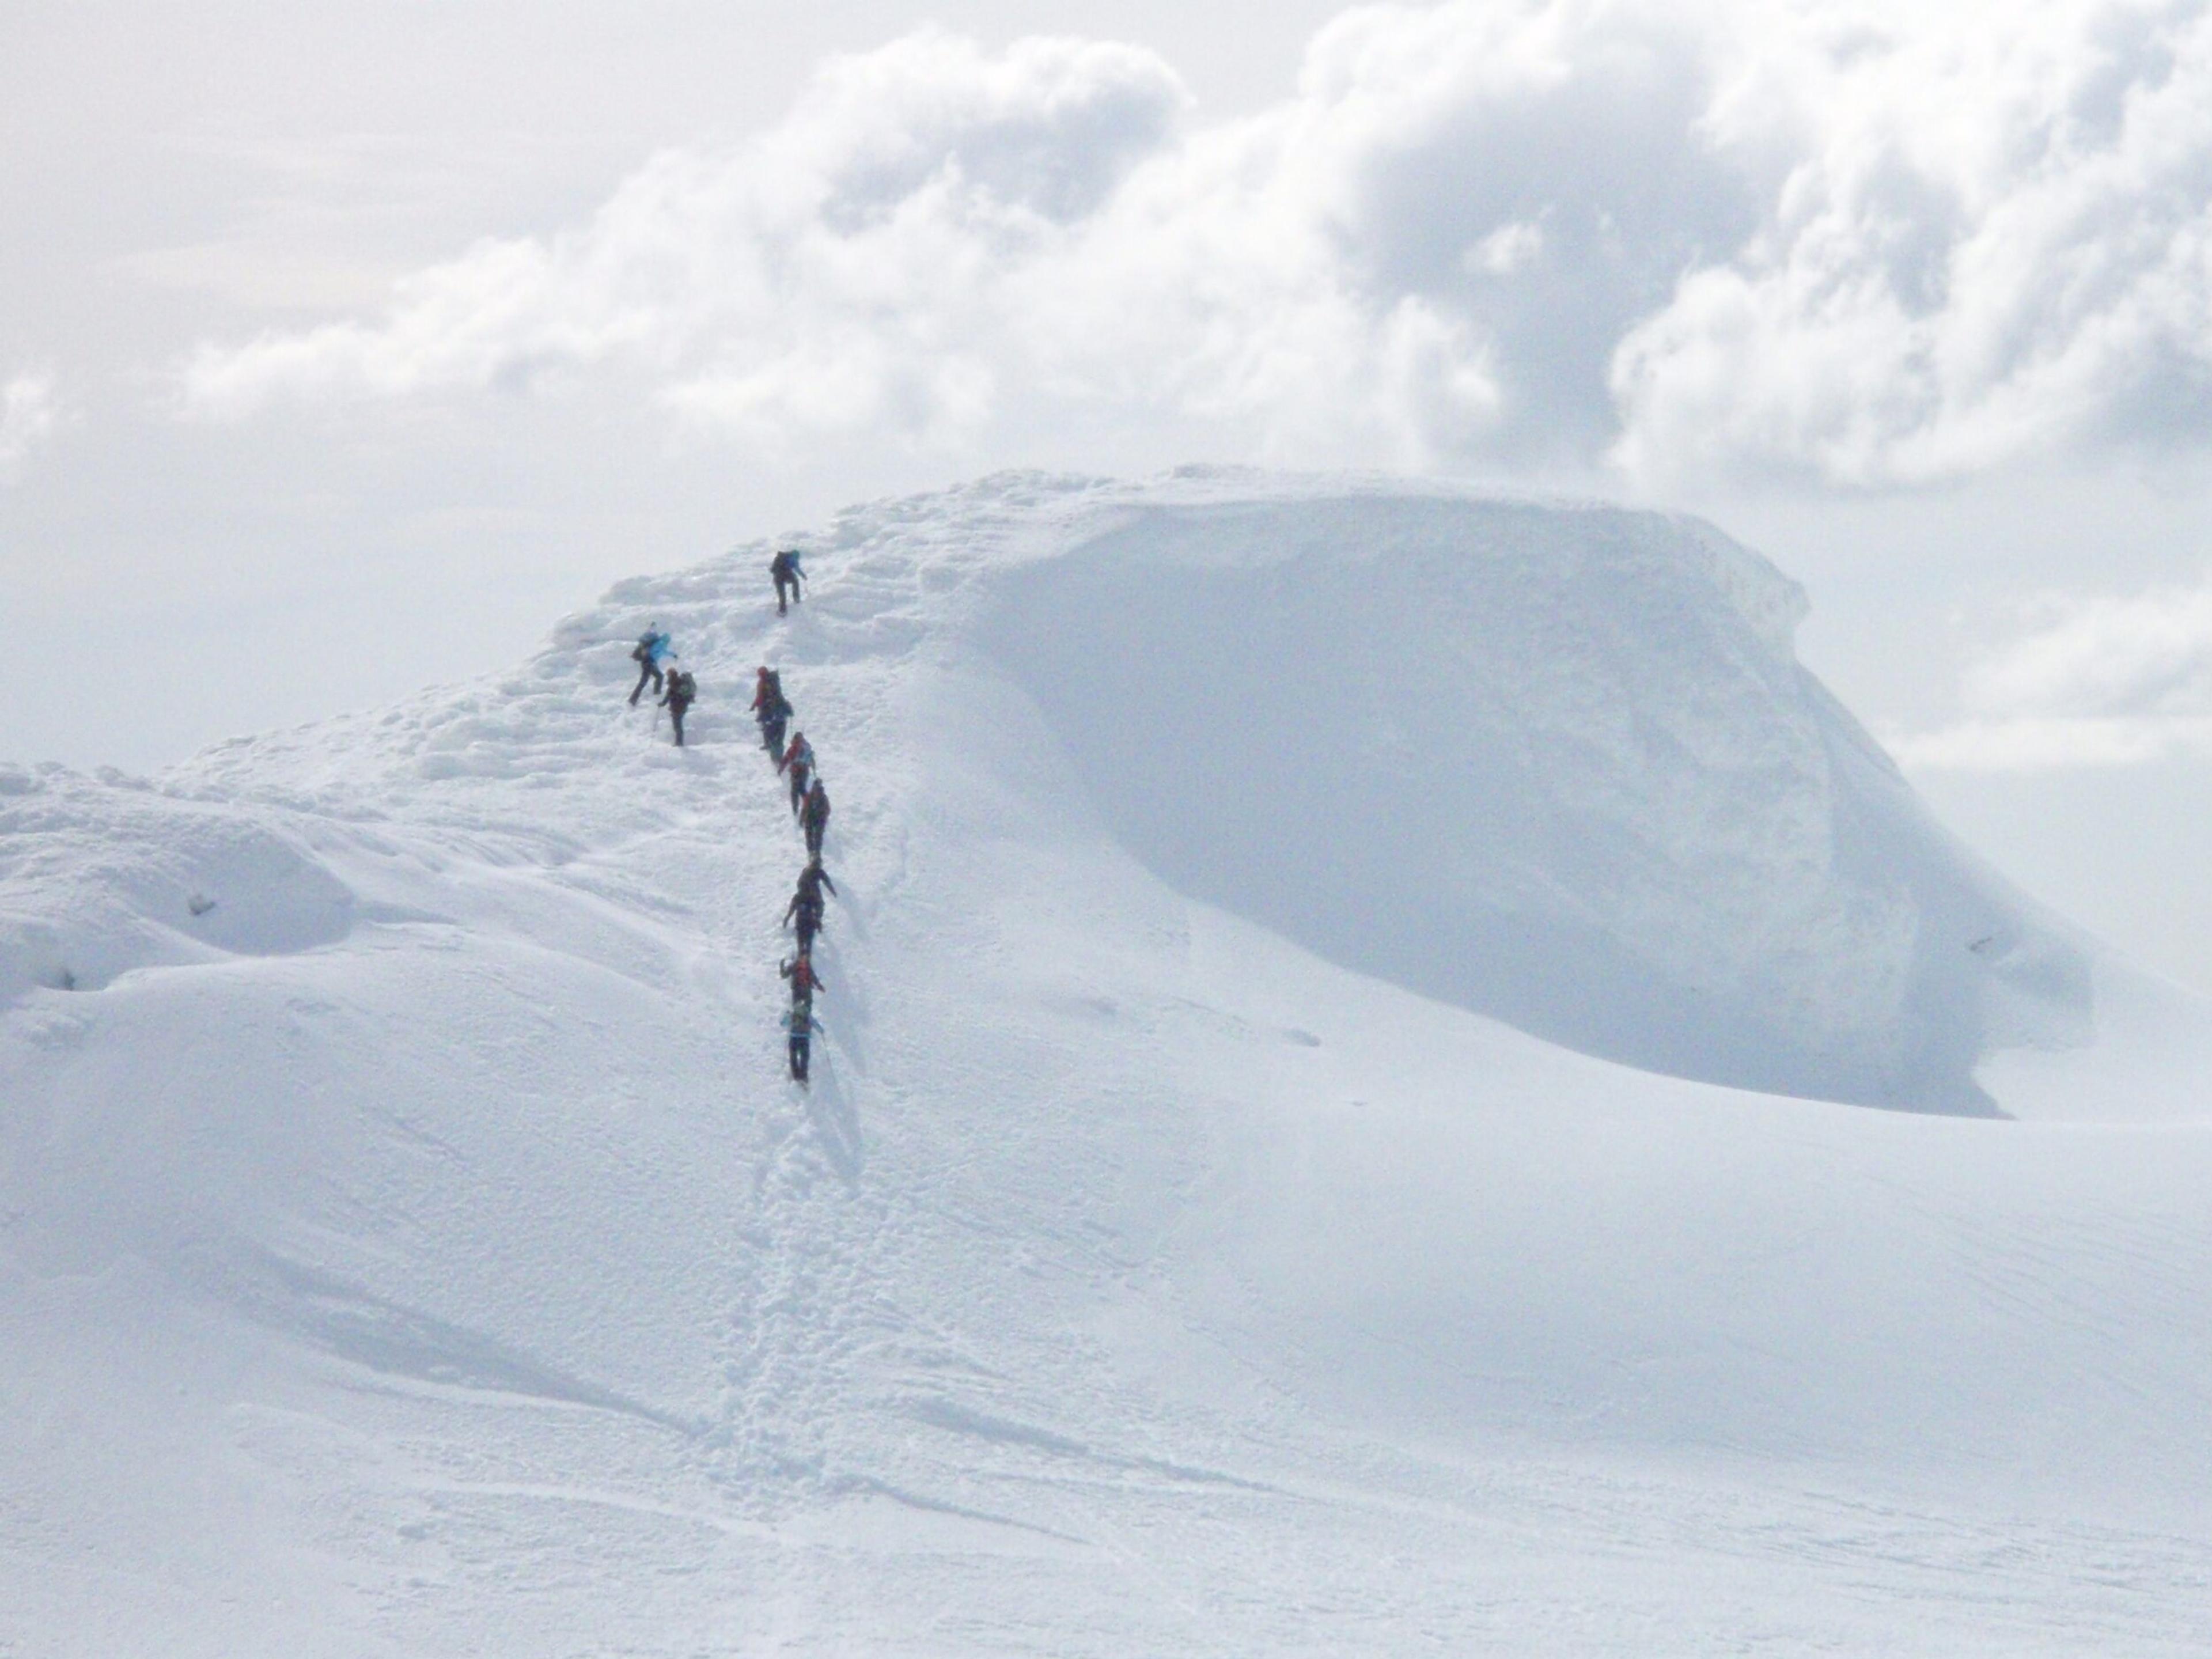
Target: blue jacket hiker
x,y
651,647
802,1025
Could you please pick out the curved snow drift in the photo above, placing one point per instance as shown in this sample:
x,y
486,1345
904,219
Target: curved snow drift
x,y
1556,765
163,882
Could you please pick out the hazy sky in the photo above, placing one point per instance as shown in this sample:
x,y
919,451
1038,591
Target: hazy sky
x,y
343,349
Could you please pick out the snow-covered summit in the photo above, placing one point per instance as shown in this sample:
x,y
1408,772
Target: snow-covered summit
x,y
408,1243
1552,763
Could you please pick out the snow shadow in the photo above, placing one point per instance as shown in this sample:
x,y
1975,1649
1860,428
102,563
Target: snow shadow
x,y
357,1326
836,1122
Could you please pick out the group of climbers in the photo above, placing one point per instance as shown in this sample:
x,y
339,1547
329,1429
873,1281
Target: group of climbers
x,y
809,798
810,803
654,647
656,657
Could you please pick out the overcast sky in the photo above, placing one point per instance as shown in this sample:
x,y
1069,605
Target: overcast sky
x,y
342,349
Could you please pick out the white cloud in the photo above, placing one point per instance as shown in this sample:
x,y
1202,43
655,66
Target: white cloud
x,y
848,269
1506,252
2100,682
28,417
1991,241
1877,243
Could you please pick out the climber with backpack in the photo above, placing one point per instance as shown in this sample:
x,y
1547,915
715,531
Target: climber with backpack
x,y
798,764
805,982
784,567
652,646
804,913
812,879
772,709
814,817
683,692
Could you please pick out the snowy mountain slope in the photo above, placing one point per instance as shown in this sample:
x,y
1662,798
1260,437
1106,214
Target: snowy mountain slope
x,y
409,1245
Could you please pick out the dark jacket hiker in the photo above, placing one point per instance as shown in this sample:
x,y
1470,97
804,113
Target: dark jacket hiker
x,y
811,880
805,914
784,569
683,692
814,817
772,709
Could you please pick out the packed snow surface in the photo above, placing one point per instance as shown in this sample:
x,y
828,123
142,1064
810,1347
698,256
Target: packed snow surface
x,y
1399,1079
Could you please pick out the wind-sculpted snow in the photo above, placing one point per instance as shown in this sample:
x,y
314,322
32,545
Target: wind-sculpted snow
x,y
408,1243
1556,766
95,881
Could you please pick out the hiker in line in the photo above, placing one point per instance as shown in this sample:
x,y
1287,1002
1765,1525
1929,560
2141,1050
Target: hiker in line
x,y
798,764
802,1025
652,646
807,904
784,567
805,914
767,692
812,879
683,692
771,709
805,982
814,817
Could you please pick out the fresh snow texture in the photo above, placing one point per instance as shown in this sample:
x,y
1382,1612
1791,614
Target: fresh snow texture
x,y
1350,1122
